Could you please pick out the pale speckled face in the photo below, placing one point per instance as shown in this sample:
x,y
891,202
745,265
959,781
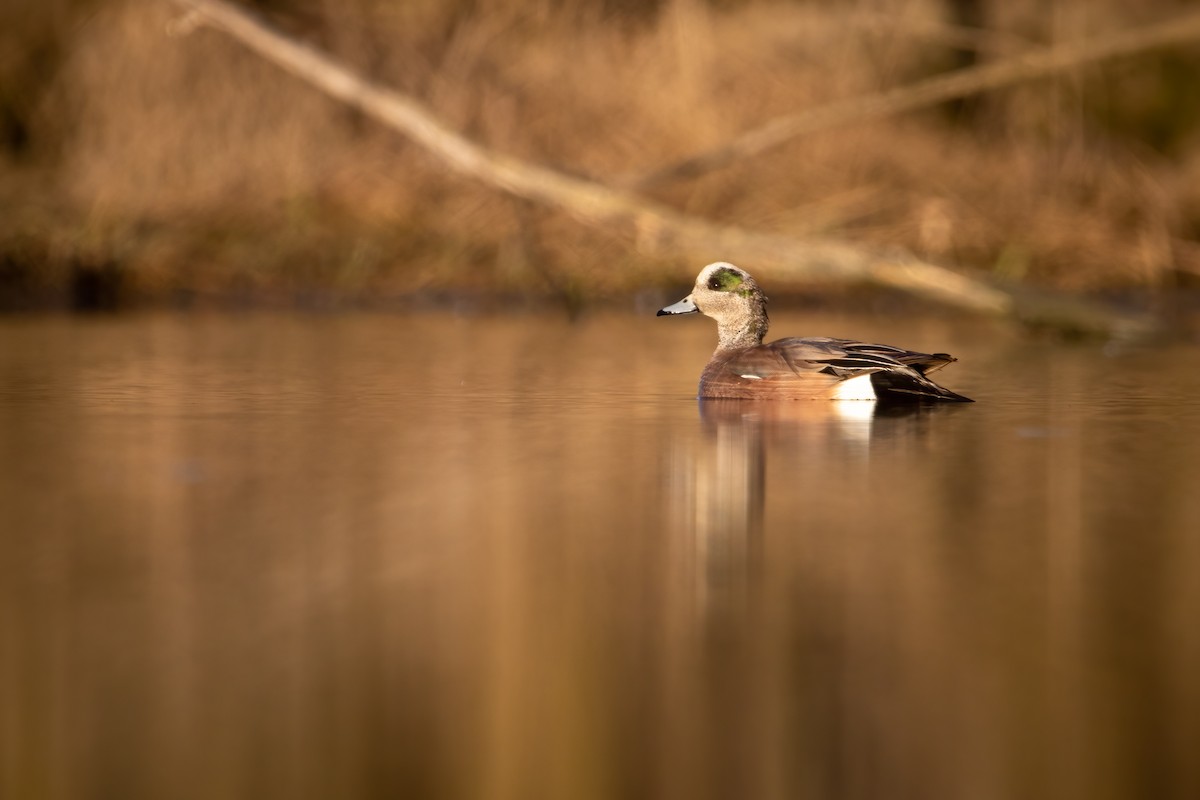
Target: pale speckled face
x,y
721,288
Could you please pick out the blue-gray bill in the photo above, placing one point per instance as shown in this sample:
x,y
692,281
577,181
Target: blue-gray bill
x,y
684,306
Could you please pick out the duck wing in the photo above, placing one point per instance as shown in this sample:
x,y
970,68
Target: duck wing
x,y
925,363
816,367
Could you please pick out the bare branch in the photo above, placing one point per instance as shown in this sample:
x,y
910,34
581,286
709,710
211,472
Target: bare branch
x,y
938,89
657,227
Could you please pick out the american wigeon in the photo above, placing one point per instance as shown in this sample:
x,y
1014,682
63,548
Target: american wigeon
x,y
797,369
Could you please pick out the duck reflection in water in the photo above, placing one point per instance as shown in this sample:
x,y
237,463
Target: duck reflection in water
x,y
722,485
751,391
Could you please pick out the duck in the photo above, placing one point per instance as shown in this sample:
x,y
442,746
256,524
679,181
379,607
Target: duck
x,y
794,368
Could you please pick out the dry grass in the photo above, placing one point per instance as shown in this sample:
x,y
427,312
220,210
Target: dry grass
x,y
194,165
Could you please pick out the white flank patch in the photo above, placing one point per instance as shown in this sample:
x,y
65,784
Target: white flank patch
x,y
751,377
859,388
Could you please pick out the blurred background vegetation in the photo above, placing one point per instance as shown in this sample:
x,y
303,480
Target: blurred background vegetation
x,y
138,167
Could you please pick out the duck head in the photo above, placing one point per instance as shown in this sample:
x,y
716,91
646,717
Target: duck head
x,y
729,295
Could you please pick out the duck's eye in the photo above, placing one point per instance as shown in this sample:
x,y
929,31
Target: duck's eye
x,y
714,284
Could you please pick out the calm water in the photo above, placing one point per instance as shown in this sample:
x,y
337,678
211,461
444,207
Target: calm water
x,y
428,556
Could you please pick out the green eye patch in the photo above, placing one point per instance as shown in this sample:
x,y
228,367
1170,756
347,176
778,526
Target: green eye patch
x,y
725,280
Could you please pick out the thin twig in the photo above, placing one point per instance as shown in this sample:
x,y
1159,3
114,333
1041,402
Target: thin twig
x,y
938,89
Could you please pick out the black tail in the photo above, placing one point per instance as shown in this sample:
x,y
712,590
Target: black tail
x,y
910,386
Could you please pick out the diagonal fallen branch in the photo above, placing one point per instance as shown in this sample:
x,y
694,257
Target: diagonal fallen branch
x,y
658,228
938,89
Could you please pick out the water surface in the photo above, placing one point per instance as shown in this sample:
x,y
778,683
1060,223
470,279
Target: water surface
x,y
404,556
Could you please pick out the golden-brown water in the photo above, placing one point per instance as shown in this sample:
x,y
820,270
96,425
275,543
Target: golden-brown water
x,y
429,556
